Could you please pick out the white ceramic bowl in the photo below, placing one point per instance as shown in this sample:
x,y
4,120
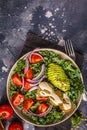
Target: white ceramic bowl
x,y
18,112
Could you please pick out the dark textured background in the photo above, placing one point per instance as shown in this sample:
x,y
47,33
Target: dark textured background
x,y
49,18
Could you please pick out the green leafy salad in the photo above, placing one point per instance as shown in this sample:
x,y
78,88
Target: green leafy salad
x,y
45,87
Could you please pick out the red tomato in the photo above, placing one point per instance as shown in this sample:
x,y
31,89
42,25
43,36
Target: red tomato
x,y
28,103
15,126
6,111
42,108
29,74
17,99
36,58
41,98
26,85
17,80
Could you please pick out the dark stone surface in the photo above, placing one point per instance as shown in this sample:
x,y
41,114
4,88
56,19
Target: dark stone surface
x,y
48,18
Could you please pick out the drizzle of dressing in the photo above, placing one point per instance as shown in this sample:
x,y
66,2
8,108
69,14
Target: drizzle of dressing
x,y
44,86
45,90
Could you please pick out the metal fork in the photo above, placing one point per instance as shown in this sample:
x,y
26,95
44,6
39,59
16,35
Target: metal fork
x,y
69,49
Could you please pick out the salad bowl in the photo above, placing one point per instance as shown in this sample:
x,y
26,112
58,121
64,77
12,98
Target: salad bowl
x,y
45,87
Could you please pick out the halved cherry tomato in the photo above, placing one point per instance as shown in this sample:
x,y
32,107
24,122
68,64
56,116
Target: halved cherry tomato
x,y
26,85
36,58
15,126
42,108
28,103
6,111
41,98
17,80
29,74
17,99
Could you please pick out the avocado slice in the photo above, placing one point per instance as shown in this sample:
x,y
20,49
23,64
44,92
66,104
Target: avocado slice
x,y
57,77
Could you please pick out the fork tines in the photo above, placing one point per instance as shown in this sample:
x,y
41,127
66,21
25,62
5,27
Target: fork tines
x,y
69,49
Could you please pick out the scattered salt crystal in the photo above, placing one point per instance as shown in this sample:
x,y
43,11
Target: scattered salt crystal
x,y
4,69
43,8
55,29
25,7
46,38
63,14
48,14
53,19
46,33
64,21
32,23
43,30
50,24
63,30
51,33
57,9
9,15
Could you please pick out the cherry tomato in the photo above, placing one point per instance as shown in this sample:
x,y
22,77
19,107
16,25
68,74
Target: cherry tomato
x,y
26,85
41,98
42,108
36,58
29,74
15,126
17,99
17,80
6,111
28,103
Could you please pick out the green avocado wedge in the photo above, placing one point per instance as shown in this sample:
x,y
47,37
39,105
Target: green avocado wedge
x,y
57,77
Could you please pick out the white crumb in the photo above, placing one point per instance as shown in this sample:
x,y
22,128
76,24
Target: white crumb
x,y
48,14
